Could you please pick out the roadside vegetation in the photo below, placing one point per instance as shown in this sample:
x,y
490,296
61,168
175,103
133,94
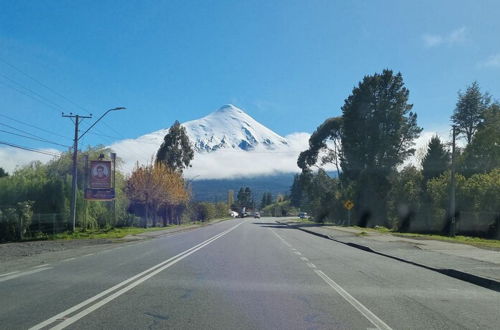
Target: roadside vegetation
x,y
369,146
35,199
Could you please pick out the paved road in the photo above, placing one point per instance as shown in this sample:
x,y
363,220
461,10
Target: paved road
x,y
241,274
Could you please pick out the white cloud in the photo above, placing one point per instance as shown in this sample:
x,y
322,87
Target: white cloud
x,y
133,151
220,164
432,40
227,163
10,158
491,62
457,36
234,163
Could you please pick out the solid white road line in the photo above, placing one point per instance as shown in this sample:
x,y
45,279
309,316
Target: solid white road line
x,y
374,319
14,275
7,274
40,266
127,285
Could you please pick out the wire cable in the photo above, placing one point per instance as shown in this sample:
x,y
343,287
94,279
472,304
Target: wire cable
x,y
36,127
53,104
36,139
56,93
29,149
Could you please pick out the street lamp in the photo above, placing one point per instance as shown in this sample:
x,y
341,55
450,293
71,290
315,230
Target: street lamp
x,y
75,154
88,129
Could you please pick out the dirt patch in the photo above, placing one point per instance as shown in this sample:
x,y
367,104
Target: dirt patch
x,y
15,251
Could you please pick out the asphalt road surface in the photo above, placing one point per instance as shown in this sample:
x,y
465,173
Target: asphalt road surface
x,y
241,274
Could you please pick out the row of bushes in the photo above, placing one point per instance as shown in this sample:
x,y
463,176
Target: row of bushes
x,y
413,203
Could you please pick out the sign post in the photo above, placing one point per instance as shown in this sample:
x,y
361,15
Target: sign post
x,y
100,183
348,204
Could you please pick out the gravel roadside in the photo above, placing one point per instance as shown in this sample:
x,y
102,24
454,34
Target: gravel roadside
x,y
19,256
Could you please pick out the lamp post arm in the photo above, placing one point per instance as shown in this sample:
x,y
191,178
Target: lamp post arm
x,y
88,129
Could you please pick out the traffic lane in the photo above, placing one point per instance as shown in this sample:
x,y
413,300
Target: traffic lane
x,y
245,280
66,284
403,295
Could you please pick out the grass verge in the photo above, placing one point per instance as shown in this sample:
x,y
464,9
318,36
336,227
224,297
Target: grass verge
x,y
113,233
474,241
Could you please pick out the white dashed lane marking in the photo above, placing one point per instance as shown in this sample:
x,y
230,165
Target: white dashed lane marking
x,y
369,315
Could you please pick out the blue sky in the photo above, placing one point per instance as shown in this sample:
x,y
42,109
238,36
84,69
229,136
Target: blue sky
x,y
289,64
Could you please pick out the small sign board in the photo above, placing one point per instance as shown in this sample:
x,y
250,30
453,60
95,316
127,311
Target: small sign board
x,y
100,174
100,194
348,204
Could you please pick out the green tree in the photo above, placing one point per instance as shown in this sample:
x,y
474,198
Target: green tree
x,y
299,191
405,197
436,160
3,173
244,198
329,131
469,110
176,151
482,154
267,199
378,134
230,199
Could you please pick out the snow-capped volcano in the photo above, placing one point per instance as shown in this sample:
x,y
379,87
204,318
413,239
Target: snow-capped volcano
x,y
230,127
225,141
227,128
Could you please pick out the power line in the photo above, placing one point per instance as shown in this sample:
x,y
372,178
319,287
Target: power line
x,y
23,131
36,139
43,85
33,126
50,102
29,149
55,92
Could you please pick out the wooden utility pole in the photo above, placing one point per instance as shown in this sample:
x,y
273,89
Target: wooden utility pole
x,y
74,171
452,188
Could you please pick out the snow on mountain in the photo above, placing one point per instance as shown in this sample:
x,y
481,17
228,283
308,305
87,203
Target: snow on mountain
x,y
227,128
227,143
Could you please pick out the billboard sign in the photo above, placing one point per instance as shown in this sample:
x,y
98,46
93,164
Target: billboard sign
x,y
100,194
100,174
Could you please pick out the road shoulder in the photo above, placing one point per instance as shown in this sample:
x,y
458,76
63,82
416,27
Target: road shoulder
x,y
465,262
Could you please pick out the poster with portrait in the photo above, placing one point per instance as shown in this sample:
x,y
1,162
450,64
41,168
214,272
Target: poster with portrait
x,y
100,174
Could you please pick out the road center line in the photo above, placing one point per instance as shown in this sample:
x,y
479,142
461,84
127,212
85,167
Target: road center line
x,y
123,286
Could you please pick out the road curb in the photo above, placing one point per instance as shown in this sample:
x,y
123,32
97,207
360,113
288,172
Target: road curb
x,y
460,275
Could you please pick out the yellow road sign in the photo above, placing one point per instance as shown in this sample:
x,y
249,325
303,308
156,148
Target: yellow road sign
x,y
348,204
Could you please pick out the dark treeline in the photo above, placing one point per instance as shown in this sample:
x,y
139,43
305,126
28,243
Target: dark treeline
x,y
369,145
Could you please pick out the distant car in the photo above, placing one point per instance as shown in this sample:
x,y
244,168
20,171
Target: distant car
x,y
303,215
233,214
256,215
